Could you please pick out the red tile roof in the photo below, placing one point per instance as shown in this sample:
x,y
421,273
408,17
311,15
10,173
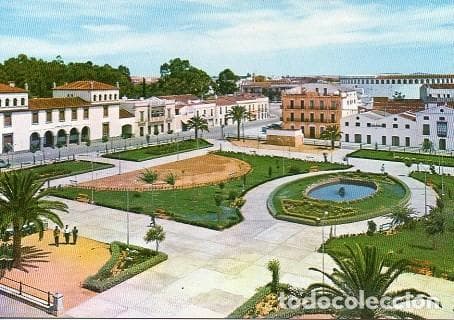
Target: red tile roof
x,y
56,103
6,88
86,85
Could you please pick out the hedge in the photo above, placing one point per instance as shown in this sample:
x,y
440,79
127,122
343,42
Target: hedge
x,y
103,279
249,305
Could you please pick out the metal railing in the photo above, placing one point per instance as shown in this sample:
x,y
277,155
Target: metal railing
x,y
22,289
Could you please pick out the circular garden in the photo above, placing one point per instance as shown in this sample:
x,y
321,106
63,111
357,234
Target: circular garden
x,y
346,197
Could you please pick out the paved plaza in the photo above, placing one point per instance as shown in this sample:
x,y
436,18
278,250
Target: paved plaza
x,y
210,273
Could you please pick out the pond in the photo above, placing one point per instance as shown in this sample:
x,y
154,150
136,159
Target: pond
x,y
342,191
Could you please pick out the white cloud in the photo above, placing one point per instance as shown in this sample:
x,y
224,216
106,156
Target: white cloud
x,y
106,28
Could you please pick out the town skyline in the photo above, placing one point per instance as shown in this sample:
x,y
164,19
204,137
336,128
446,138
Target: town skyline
x,y
332,37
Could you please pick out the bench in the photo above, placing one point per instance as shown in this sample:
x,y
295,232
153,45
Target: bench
x,y
82,197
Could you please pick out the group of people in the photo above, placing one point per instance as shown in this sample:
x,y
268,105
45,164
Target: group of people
x,y
66,233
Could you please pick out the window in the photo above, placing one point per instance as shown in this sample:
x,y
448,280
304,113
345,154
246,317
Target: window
x,y
6,102
142,119
302,117
73,114
346,124
426,129
347,137
322,105
22,101
357,138
302,104
105,111
291,104
115,96
395,141
110,97
442,129
442,144
49,116
369,124
322,117
105,129
35,119
383,140
395,125
61,115
7,121
105,97
85,113
311,104
426,117
407,141
94,98
441,118
407,126
100,97
368,139
15,102
311,117
357,124
333,105
333,117
292,116
383,125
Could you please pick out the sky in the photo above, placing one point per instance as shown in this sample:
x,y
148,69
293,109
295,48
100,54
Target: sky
x,y
272,37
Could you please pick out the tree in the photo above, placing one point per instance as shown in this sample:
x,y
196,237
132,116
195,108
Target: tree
x,y
171,179
157,234
238,114
331,133
226,83
398,96
218,201
198,123
22,202
274,267
401,215
180,77
371,227
427,145
435,225
362,272
149,176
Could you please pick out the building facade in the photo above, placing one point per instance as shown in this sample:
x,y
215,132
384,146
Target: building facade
x,y
313,111
386,85
437,92
78,112
434,124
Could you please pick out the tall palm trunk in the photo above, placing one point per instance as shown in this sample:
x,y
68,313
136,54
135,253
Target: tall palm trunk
x,y
17,243
238,130
332,144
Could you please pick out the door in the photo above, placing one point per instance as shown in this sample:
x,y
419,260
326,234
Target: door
x,y
312,132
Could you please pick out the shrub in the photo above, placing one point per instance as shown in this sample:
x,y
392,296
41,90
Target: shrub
x,y
371,227
273,267
232,195
270,171
104,280
408,162
136,195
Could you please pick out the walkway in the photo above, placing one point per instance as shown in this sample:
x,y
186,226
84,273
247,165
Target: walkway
x,y
210,273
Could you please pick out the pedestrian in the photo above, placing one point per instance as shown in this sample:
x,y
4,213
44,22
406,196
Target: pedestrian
x,y
75,232
67,234
152,220
57,236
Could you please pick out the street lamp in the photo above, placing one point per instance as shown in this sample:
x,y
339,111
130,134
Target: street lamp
x,y
325,214
425,192
127,217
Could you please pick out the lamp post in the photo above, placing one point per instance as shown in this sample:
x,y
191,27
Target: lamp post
x,y
425,192
127,217
178,154
325,214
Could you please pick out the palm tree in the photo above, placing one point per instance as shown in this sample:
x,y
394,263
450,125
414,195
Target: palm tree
x,y
155,233
198,123
435,225
171,179
401,215
362,272
331,133
274,267
238,114
149,176
22,202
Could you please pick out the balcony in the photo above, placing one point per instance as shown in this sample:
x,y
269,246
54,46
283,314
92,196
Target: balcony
x,y
157,119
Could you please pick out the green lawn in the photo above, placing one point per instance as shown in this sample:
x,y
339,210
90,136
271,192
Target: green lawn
x,y
196,205
415,244
157,151
407,157
289,202
65,168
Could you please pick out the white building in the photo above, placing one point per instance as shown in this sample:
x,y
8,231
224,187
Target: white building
x,y
408,129
385,85
78,112
437,92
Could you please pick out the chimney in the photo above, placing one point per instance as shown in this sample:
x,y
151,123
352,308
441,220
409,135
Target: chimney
x,y
117,84
91,85
54,85
12,84
26,86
